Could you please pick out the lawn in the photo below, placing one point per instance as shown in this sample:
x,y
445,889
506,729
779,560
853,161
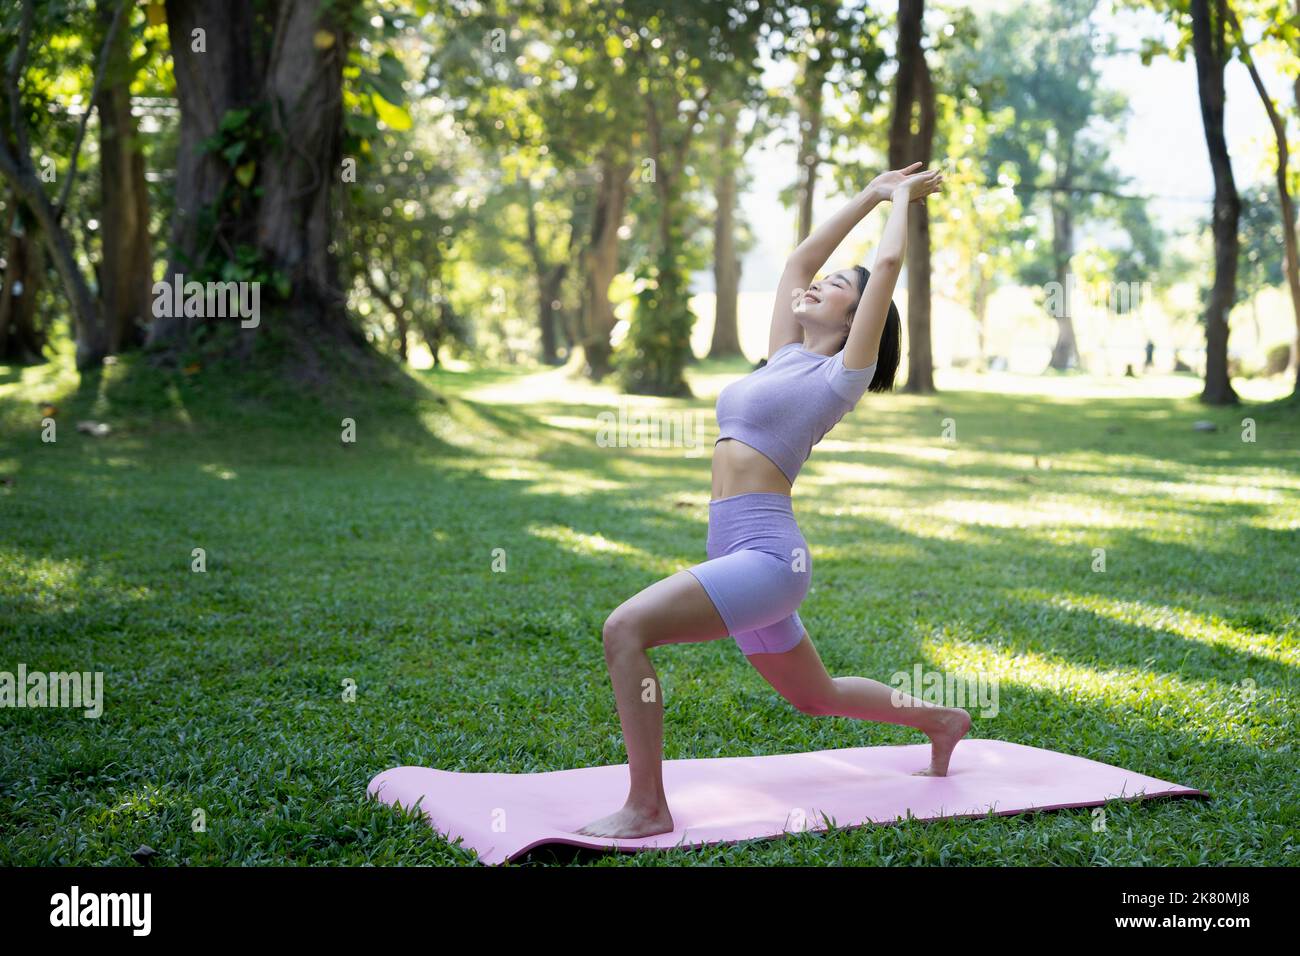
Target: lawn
x,y
957,532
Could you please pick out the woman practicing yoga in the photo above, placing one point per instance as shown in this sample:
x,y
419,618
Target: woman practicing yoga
x,y
830,341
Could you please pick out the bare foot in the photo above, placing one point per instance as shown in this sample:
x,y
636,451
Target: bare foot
x,y
631,822
952,727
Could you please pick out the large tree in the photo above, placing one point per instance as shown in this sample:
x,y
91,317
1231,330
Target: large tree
x,y
546,91
726,260
1277,24
684,57
1203,26
834,47
911,139
126,268
731,235
27,103
1210,46
260,87
1042,63
22,339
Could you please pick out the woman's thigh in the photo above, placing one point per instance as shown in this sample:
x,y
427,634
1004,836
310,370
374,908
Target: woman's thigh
x,y
753,589
674,610
798,674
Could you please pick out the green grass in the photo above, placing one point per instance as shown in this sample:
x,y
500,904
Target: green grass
x,y
372,563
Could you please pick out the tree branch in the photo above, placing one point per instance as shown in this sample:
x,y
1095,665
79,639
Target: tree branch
x,y
385,297
1279,126
682,146
100,68
15,74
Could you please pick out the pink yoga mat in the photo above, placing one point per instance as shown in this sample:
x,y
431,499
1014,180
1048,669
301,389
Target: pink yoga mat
x,y
501,816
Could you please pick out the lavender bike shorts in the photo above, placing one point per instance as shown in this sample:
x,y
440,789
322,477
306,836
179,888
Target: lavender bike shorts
x,y
758,572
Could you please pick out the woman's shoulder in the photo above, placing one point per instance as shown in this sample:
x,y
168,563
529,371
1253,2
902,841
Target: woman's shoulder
x,y
848,383
784,350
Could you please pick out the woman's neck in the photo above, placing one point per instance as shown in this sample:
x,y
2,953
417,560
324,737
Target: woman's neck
x,y
823,343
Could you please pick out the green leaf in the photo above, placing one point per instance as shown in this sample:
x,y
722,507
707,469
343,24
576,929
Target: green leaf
x,y
386,88
361,124
394,117
233,152
234,119
245,173
394,74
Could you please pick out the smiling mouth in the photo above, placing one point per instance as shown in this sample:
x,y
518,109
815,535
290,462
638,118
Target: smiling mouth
x,y
809,297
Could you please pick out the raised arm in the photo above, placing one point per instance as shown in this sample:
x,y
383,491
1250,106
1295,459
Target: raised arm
x,y
863,345
811,254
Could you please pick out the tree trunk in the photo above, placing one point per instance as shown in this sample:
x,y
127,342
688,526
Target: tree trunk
x,y
1209,46
547,284
208,85
920,355
1295,342
88,328
913,88
1292,258
399,319
601,264
20,339
385,295
16,165
980,306
127,271
726,264
659,340
285,64
1066,351
295,219
570,330
809,93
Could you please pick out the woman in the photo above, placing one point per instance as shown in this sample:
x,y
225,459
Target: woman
x,y
830,341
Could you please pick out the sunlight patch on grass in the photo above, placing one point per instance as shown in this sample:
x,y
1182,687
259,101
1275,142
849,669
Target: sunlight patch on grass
x,y
1210,712
542,478
922,525
462,427
586,544
880,552
919,452
1277,521
140,806
35,384
838,473
1232,492
178,405
38,573
576,423
1080,386
550,385
1050,512
1174,620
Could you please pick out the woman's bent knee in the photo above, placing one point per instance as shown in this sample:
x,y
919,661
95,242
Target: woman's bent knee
x,y
622,631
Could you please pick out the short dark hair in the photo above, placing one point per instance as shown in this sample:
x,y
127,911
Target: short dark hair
x,y
891,339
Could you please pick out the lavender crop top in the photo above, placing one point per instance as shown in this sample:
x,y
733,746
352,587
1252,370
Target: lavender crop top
x,y
788,405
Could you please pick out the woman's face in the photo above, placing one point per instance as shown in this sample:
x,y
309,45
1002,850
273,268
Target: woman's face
x,y
828,301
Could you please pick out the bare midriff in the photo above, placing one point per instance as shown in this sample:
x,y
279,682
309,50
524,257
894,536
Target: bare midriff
x,y
739,469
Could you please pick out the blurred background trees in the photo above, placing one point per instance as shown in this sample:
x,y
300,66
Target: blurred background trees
x,y
572,183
